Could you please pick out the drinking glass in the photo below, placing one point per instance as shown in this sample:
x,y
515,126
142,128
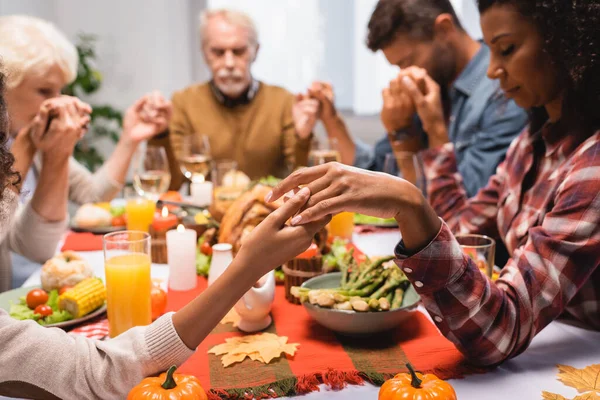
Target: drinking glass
x,y
152,175
323,152
127,267
407,165
481,248
228,185
140,211
195,161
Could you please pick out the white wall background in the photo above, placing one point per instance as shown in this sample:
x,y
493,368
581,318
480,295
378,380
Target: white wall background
x,y
153,44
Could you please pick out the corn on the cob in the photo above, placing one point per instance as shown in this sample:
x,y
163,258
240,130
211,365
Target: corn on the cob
x,y
84,298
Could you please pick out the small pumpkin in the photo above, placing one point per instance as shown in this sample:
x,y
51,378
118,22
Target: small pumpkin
x,y
168,386
415,385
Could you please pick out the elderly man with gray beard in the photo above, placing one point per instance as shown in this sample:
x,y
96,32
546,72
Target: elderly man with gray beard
x,y
261,127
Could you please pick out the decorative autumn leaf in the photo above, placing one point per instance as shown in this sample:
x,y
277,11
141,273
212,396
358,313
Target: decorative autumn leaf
x,y
584,380
588,396
552,396
264,347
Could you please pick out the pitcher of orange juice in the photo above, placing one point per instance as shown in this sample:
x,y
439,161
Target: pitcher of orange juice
x,y
127,266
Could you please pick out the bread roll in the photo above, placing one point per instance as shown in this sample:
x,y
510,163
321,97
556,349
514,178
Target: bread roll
x,y
66,269
91,216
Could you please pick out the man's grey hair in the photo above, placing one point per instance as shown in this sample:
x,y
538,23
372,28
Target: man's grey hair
x,y
234,17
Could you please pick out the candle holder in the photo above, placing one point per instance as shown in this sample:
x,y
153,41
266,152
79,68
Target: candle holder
x,y
299,270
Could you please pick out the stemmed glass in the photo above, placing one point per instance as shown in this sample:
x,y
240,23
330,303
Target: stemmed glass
x,y
195,160
322,153
151,175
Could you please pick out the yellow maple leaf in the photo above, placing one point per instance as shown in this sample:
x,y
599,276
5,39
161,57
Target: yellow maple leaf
x,y
256,357
583,380
229,359
222,348
264,347
552,396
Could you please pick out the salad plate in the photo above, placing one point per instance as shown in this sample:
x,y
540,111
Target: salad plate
x,y
14,298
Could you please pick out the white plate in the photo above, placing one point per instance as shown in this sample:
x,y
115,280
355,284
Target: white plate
x,y
12,296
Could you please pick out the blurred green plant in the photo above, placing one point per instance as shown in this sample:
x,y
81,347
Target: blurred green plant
x,y
106,121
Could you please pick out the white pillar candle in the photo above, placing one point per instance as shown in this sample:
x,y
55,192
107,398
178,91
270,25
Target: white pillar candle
x,y
181,252
202,193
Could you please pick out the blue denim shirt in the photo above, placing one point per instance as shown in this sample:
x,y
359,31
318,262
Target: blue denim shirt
x,y
482,125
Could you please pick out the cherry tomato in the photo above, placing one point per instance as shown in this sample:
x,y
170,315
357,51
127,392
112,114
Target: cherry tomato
x,y
312,251
119,221
206,249
64,289
36,297
159,302
43,310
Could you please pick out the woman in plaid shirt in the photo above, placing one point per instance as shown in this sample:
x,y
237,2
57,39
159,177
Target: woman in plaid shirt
x,y
543,202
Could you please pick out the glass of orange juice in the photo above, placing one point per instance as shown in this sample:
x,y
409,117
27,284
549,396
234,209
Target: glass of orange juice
x,y
127,267
140,214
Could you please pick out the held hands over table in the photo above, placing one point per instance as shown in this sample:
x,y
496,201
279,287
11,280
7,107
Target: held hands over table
x,y
273,242
323,92
305,114
336,188
147,117
316,103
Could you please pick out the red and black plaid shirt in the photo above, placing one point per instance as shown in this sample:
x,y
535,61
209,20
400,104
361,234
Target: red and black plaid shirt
x,y
544,204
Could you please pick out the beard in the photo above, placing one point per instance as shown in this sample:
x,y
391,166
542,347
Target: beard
x,y
443,69
231,83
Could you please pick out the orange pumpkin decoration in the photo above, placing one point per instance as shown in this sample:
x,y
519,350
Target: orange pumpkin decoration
x,y
168,386
416,386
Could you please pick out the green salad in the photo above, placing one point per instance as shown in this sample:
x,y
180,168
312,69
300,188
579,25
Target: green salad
x,y
361,219
21,311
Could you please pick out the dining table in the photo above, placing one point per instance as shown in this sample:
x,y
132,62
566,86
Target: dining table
x,y
523,377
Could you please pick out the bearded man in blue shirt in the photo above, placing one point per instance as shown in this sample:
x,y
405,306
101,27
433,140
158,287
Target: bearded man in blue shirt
x,y
441,95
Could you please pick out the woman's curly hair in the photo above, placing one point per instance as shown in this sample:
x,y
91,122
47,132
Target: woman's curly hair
x,y
571,30
7,175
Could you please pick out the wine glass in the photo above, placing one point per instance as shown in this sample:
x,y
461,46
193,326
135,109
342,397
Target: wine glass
x,y
195,160
322,153
152,176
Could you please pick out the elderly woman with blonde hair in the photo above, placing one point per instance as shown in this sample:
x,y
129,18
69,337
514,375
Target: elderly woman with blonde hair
x,y
44,127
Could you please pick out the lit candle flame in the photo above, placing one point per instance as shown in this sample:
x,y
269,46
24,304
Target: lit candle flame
x,y
165,212
180,228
